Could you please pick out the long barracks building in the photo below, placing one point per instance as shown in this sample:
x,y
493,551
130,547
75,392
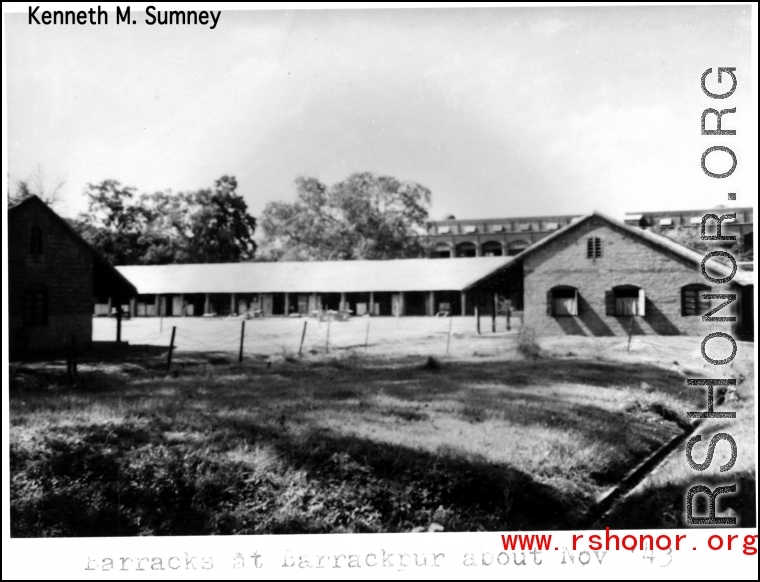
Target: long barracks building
x,y
594,276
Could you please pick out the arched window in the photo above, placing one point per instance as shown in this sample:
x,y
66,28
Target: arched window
x,y
35,305
466,249
35,241
562,301
625,300
492,249
441,251
692,302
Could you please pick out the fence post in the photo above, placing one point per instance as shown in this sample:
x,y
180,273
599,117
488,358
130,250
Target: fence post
x,y
69,359
303,335
509,312
366,335
118,323
242,337
448,338
73,354
327,339
477,311
630,332
493,313
171,350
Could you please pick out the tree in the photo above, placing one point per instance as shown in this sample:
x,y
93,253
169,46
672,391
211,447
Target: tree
x,y
363,217
40,184
692,238
211,225
221,230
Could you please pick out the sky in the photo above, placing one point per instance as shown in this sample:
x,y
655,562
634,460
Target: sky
x,y
511,111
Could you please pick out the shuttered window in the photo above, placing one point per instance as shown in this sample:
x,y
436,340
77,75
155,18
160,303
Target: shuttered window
x,y
692,302
35,305
629,300
593,247
562,301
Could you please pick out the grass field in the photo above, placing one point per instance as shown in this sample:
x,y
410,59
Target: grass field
x,y
491,436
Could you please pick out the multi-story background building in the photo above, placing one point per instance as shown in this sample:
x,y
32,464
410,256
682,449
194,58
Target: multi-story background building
x,y
740,227
509,236
490,236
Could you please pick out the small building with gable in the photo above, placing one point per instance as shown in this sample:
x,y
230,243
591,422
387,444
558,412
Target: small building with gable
x,y
53,277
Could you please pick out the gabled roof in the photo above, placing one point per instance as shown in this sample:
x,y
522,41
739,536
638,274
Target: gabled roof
x,y
662,242
106,274
314,276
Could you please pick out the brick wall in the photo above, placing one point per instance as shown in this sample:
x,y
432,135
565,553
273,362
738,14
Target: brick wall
x,y
65,268
625,260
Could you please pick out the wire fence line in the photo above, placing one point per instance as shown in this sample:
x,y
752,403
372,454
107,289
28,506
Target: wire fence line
x,y
308,336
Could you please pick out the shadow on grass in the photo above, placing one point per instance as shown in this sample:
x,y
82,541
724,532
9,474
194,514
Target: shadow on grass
x,y
112,483
132,477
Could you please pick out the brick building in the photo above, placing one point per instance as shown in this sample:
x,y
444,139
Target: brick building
x,y
601,277
509,236
490,237
53,277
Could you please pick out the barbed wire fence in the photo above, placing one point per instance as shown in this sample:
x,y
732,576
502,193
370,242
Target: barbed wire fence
x,y
243,339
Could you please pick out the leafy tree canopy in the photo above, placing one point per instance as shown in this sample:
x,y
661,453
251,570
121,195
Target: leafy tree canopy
x,y
363,217
206,226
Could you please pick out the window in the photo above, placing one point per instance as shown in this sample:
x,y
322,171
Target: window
x,y
444,229
594,247
470,228
35,305
562,301
692,302
35,241
627,300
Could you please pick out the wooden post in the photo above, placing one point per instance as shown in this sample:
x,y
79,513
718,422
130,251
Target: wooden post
x,y
431,310
69,360
242,338
371,303
343,301
118,323
327,339
287,304
366,336
171,350
464,303
303,335
182,307
477,310
494,303
630,332
233,307
509,313
448,338
73,354
207,304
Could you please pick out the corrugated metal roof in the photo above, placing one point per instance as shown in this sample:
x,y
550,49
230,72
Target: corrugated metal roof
x,y
315,276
